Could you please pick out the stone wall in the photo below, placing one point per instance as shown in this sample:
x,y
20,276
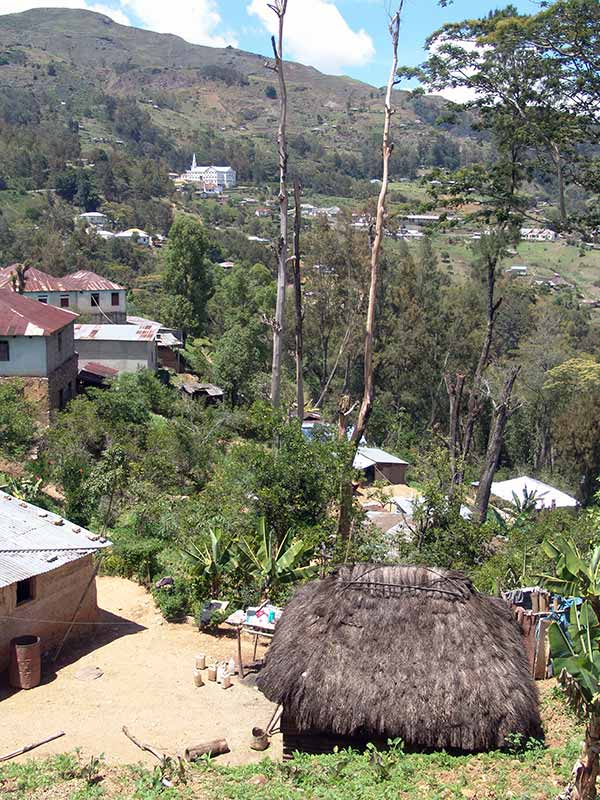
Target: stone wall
x,y
56,597
44,393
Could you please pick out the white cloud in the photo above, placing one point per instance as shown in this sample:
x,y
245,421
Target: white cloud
x,y
316,33
16,6
196,21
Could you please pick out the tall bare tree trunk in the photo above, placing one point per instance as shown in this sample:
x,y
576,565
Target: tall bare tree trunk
x,y
368,392
560,180
280,7
298,302
501,415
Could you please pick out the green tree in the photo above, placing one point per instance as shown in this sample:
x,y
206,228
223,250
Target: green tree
x,y
187,275
17,428
237,358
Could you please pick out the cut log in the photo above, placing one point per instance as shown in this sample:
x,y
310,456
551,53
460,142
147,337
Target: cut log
x,y
215,748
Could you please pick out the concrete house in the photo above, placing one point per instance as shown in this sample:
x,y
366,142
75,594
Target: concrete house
x,y
46,571
94,218
83,292
37,346
124,348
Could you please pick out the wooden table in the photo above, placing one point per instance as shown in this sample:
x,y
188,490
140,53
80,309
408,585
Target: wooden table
x,y
255,627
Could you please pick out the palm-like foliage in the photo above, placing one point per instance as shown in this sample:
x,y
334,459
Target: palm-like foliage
x,y
275,564
574,575
576,657
213,558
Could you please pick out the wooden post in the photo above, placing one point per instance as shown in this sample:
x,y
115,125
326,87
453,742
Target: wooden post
x,y
239,643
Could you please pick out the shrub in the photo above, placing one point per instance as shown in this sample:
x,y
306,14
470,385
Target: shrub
x,y
174,601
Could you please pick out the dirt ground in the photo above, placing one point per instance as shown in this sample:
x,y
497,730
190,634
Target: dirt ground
x,y
147,685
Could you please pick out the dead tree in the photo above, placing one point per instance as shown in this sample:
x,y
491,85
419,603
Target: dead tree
x,y
19,277
298,302
280,7
460,439
501,414
366,405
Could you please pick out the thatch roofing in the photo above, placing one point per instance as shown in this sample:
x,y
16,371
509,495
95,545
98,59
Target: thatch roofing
x,y
402,651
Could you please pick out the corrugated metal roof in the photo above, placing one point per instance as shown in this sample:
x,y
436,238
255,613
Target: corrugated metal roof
x,y
34,541
117,333
367,456
81,281
22,316
546,496
96,368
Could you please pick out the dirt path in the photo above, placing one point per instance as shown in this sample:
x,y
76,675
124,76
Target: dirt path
x,y
147,685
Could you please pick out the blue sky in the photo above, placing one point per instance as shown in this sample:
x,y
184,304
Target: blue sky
x,y
338,36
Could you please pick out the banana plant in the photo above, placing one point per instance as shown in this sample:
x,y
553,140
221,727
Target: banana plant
x,y
575,577
213,558
274,565
576,654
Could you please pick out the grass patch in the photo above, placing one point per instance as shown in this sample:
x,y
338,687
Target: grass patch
x,y
532,772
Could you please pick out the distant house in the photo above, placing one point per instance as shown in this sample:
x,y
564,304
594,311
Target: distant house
x,y
190,386
516,271
124,348
546,496
169,342
46,575
211,177
37,346
262,211
538,235
376,465
94,218
83,292
136,235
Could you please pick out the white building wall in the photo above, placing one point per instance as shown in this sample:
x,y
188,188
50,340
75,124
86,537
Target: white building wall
x,y
27,356
81,301
122,356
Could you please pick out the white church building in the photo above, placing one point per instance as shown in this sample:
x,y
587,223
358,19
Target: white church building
x,y
212,178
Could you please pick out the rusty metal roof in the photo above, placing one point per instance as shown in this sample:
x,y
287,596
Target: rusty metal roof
x,y
98,369
117,333
22,316
81,281
34,541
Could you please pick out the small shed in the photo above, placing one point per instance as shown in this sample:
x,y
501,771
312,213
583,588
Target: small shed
x,y
375,652
190,386
46,574
379,465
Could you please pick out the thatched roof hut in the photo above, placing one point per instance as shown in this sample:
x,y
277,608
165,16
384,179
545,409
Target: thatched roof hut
x,y
376,652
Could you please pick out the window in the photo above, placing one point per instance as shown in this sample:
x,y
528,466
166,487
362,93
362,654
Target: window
x,y
61,398
114,299
96,299
25,590
70,389
43,300
60,342
4,351
64,301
